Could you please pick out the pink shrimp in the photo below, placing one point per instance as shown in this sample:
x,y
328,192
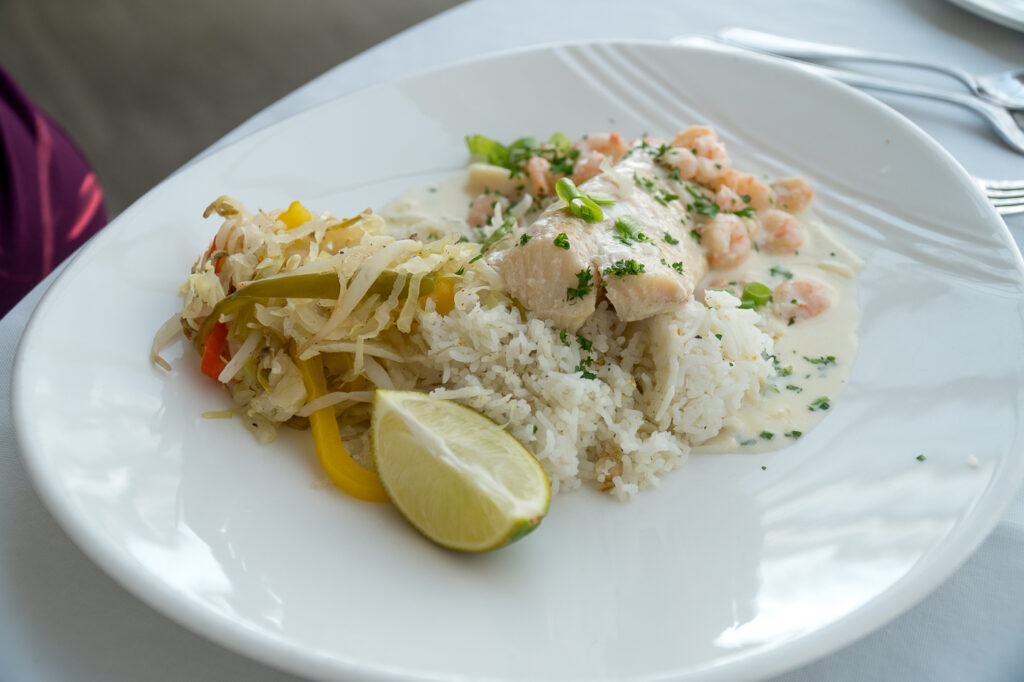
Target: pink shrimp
x,y
483,208
727,199
726,241
733,286
782,233
799,299
686,138
606,143
587,166
793,194
753,191
683,160
539,171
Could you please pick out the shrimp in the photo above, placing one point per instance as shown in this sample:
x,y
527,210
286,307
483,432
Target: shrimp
x,y
538,169
782,233
746,185
799,299
793,194
483,208
727,199
686,138
606,143
587,166
733,286
683,160
726,241
709,171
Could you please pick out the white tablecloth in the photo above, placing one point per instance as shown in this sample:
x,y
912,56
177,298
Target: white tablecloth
x,y
61,618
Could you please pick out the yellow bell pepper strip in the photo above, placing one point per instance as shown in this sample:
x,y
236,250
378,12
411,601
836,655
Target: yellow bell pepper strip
x,y
346,474
296,215
443,296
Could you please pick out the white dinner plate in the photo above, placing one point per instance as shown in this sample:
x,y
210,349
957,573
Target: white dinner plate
x,y
1009,13
737,567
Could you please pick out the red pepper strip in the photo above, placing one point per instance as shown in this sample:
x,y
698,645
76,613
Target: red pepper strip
x,y
212,364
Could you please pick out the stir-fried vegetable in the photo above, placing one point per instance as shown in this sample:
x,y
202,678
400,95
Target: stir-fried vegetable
x,y
323,285
353,479
212,363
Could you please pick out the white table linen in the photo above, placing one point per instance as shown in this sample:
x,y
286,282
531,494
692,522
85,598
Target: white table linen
x,y
62,618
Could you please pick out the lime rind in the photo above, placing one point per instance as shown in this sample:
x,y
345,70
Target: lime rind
x,y
456,476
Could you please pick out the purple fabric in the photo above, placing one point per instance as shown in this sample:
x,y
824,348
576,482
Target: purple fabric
x,y
50,200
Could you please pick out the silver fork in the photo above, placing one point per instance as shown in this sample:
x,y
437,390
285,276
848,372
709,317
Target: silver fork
x,y
999,118
1005,88
1006,195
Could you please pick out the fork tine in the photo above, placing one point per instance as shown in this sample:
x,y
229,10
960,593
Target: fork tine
x,y
1007,196
1002,187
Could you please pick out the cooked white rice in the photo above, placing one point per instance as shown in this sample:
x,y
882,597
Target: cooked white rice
x,y
666,383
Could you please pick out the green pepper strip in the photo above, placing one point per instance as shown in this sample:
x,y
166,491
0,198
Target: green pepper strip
x,y
306,285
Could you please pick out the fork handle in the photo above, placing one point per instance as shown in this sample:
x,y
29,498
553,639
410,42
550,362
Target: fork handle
x,y
802,49
999,117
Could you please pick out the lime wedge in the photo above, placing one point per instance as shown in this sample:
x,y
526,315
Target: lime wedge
x,y
456,476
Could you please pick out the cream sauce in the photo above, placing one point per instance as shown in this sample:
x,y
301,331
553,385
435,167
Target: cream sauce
x,y
790,404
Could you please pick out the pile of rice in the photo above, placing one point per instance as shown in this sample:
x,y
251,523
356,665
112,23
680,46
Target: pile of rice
x,y
660,386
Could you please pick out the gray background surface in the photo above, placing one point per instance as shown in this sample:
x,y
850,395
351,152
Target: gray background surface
x,y
144,85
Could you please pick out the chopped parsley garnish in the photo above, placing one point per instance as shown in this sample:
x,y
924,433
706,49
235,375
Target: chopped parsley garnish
x,y
701,204
562,241
821,403
623,268
920,458
696,235
627,231
678,267
645,183
461,271
662,150
748,442
585,343
535,428
745,198
524,238
670,239
778,271
563,335
661,195
779,369
792,387
462,240
824,360
583,368
584,285
747,212
767,435
793,434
